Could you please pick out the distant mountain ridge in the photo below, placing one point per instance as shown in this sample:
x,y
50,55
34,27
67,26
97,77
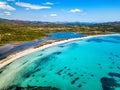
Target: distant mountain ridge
x,y
22,22
117,23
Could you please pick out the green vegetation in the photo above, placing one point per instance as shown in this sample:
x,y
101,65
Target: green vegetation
x,y
17,32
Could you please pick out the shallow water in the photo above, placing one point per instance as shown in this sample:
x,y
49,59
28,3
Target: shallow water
x,y
9,49
89,64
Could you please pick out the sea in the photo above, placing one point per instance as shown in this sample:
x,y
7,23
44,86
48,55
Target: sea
x,y
85,64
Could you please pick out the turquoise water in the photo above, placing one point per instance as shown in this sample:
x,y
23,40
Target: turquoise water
x,y
89,64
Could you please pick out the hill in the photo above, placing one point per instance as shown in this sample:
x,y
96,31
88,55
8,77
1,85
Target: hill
x,y
22,31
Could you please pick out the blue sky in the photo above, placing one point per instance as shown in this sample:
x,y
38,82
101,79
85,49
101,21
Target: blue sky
x,y
61,10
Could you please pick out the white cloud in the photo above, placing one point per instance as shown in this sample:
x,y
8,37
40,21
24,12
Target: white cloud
x,y
31,6
5,6
48,3
75,10
53,15
7,13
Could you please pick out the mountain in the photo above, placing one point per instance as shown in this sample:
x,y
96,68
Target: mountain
x,y
71,23
22,22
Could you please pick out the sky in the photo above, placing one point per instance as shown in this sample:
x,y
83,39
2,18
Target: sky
x,y
61,10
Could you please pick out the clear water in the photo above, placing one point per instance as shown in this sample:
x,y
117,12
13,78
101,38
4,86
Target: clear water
x,y
64,35
89,64
9,49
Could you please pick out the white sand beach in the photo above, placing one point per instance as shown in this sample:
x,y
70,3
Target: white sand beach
x,y
15,56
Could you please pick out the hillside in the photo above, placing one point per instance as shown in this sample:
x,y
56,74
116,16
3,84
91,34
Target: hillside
x,y
22,31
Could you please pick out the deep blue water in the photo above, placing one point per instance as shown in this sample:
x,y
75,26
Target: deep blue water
x,y
64,35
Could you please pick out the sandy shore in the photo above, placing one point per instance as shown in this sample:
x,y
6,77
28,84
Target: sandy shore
x,y
15,56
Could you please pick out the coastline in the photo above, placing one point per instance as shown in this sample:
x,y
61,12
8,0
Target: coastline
x,y
15,56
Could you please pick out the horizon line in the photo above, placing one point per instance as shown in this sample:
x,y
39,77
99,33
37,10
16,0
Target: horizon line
x,y
61,21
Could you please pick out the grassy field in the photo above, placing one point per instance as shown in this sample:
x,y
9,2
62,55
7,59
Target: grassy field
x,y
11,32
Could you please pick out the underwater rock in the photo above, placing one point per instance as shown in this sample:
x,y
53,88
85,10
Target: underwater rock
x,y
43,50
45,88
41,88
61,46
14,87
117,56
109,83
81,75
38,70
59,72
24,63
27,76
76,78
92,75
114,74
68,74
75,72
68,69
79,85
40,54
1,72
75,58
113,62
84,82
71,75
118,67
65,67
29,87
43,76
10,87
73,82
19,88
46,59
58,53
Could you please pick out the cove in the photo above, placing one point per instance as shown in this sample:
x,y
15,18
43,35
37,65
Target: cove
x,y
87,64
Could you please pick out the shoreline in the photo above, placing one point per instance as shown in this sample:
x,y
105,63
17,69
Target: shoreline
x,y
20,54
